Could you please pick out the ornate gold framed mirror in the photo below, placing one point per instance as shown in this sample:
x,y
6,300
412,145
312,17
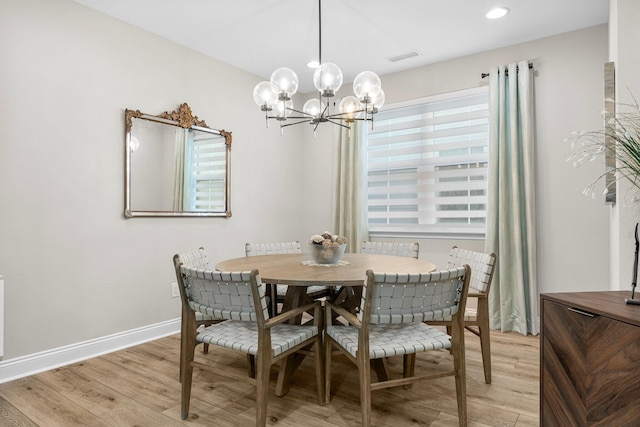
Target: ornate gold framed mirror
x,y
175,166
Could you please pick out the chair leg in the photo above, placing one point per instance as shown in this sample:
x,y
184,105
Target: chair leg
x,y
251,365
263,365
459,365
365,388
183,334
408,368
319,363
379,366
485,338
327,369
186,369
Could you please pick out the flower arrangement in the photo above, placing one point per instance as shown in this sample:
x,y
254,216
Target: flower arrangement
x,y
623,131
327,248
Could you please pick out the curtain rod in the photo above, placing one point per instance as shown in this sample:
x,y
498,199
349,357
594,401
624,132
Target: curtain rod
x,y
483,75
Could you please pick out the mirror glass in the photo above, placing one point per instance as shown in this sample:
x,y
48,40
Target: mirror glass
x,y
175,165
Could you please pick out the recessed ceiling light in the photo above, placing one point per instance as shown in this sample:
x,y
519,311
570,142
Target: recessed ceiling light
x,y
313,64
498,12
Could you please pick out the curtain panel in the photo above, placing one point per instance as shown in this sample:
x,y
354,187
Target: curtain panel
x,y
511,222
351,186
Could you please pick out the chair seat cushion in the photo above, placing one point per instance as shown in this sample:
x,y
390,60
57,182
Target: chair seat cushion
x,y
243,336
391,340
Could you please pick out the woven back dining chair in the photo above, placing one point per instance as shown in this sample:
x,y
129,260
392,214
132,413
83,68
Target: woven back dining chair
x,y
277,293
239,299
390,323
411,250
476,320
198,259
406,249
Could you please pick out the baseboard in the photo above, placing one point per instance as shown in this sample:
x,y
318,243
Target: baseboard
x,y
19,367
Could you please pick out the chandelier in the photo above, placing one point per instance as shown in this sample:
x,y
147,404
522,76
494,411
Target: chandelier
x,y
274,96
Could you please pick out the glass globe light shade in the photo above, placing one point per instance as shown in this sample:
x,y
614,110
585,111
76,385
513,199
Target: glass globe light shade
x,y
327,78
285,80
265,94
313,107
349,108
377,101
281,109
367,83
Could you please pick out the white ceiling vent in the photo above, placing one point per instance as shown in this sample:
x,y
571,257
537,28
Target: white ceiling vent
x,y
404,56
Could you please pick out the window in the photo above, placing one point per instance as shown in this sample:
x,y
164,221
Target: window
x,y
427,166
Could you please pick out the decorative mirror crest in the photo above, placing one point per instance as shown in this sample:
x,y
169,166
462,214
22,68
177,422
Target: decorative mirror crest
x,y
182,115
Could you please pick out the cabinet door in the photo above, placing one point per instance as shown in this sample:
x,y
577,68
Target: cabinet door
x,y
590,371
613,373
563,367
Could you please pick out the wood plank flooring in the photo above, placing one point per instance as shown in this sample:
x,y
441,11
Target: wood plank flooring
x,y
139,387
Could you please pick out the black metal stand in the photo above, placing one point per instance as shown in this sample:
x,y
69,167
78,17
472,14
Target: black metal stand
x,y
633,301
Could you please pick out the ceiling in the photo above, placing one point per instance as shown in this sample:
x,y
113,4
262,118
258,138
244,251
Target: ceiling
x,y
259,36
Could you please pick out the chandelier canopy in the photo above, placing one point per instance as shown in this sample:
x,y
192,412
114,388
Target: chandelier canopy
x,y
274,96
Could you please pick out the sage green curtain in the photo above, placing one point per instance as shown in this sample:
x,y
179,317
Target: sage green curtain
x,y
351,192
511,222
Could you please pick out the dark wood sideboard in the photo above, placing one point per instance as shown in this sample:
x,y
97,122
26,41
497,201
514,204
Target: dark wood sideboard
x,y
589,359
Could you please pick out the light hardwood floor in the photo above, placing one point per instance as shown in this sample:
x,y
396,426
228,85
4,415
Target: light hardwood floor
x,y
139,387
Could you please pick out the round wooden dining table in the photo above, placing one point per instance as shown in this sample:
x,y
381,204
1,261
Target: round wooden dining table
x,y
298,272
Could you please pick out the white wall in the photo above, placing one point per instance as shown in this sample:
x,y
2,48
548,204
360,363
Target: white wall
x,y
75,269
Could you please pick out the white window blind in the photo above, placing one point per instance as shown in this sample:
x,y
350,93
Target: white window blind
x,y
427,165
205,179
